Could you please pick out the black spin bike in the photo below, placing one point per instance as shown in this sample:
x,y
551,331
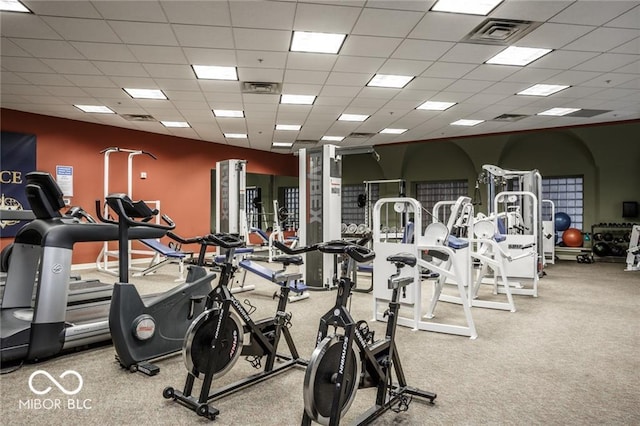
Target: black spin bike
x,y
214,341
344,362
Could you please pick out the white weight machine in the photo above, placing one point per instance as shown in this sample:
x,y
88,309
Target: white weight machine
x,y
446,256
514,206
633,253
103,262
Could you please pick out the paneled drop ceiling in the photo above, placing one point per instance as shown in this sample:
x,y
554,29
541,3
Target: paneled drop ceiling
x,y
68,53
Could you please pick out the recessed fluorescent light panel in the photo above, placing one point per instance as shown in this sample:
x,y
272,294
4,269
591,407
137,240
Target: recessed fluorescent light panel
x,y
353,117
436,105
304,41
228,113
471,7
235,135
391,131
389,80
100,109
297,99
207,72
519,56
542,89
333,138
281,144
464,122
145,93
13,6
294,127
175,124
558,111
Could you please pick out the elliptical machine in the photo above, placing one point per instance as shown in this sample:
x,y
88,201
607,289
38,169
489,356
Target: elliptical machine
x,y
143,330
344,362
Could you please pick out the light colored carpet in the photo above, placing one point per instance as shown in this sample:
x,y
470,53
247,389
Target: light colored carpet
x,y
569,357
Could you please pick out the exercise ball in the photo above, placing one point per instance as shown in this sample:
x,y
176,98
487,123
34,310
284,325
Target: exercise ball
x,y
617,251
597,236
600,249
608,236
562,221
572,237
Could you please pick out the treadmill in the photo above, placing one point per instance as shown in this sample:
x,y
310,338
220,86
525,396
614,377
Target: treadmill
x,y
80,291
42,258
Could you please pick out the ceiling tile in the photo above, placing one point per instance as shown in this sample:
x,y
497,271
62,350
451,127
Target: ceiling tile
x,y
218,57
531,75
404,67
630,19
369,103
47,79
49,48
348,91
260,74
104,51
158,54
26,25
204,36
592,12
301,89
421,83
197,12
632,68
268,15
69,66
325,19
255,39
152,34
447,69
131,10
129,69
554,36
357,64
77,9
90,80
379,47
348,79
610,80
304,76
571,77
603,39
81,29
491,72
632,47
470,53
20,64
376,22
169,71
445,26
7,77
606,62
9,48
562,59
422,50
310,61
539,10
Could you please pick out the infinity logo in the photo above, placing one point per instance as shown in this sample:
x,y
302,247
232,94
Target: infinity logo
x,y
55,382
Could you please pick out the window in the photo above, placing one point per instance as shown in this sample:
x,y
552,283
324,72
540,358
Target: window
x,y
566,192
351,213
292,204
254,214
429,193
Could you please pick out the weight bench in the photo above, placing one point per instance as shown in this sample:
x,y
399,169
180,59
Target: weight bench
x,y
164,255
292,280
239,252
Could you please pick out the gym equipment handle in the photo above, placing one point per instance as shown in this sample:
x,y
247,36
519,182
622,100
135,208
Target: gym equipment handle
x,y
298,250
124,207
358,253
226,240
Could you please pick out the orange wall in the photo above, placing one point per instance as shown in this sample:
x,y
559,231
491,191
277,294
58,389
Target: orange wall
x,y
179,178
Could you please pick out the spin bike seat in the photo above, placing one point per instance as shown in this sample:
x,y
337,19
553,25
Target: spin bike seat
x,y
288,260
404,259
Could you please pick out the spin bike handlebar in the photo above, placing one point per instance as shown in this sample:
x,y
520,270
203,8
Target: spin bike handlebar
x,y
182,240
226,241
358,253
297,250
129,211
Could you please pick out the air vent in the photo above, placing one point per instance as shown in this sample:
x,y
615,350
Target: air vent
x,y
509,117
500,31
306,142
361,135
138,117
261,88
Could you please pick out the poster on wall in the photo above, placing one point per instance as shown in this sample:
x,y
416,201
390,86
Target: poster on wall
x,y
18,157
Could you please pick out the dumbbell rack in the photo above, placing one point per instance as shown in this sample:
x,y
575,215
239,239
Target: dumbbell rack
x,y
615,242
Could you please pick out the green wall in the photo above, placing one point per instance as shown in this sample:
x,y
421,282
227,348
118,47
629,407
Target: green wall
x,y
607,156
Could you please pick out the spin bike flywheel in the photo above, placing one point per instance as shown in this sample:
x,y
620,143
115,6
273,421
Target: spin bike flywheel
x,y
320,379
196,349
